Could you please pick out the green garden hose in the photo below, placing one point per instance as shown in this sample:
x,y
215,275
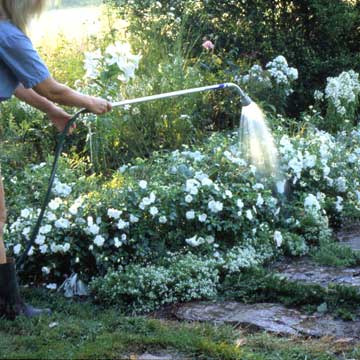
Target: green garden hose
x,y
60,144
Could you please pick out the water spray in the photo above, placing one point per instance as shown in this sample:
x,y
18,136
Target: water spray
x,y
251,119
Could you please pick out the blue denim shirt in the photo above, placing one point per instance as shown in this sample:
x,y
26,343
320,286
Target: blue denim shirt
x,y
19,61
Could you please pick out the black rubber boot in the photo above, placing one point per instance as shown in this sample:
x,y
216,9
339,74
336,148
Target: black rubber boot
x,y
11,303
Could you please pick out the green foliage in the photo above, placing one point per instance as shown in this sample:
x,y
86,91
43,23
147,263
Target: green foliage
x,y
335,254
25,134
83,330
258,285
316,36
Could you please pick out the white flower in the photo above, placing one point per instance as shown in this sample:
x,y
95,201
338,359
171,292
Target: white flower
x,y
239,203
296,163
45,270
51,286
154,210
122,224
190,215
40,239
117,242
259,201
17,249
123,168
114,214
357,195
206,182
309,160
25,213
192,186
55,203
280,186
31,251
134,219
45,229
61,189
43,249
228,193
343,90
62,223
74,208
278,238
318,95
162,220
146,201
92,64
99,240
93,229
258,186
311,203
209,239
195,241
249,215
188,198
143,184
120,54
26,231
340,184
215,206
66,247
326,170
352,158
338,205
50,216
202,218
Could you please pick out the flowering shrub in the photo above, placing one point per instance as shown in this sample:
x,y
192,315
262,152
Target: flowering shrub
x,y
272,84
341,99
145,288
206,201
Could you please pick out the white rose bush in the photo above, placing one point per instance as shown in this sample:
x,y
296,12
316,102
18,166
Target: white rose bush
x,y
215,208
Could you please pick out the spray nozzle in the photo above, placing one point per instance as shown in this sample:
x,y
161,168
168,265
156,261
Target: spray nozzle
x,y
245,99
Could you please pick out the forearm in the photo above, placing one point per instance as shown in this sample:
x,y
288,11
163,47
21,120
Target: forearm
x,y
32,98
62,94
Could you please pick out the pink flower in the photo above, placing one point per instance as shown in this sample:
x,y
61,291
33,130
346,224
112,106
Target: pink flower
x,y
208,45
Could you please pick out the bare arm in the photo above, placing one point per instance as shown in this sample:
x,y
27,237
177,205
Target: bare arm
x,y
58,116
32,98
63,95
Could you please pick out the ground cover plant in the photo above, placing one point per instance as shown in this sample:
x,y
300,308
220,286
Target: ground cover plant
x,y
85,331
154,204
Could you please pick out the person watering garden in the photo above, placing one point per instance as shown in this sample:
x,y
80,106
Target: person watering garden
x,y
24,74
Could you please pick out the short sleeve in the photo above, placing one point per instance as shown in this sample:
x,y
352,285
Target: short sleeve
x,y
23,60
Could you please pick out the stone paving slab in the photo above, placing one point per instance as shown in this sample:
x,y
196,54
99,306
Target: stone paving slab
x,y
273,318
308,271
350,236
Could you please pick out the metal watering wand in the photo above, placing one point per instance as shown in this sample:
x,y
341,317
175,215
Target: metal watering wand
x,y
245,101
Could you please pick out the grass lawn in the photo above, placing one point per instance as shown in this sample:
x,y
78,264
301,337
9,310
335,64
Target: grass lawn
x,y
82,330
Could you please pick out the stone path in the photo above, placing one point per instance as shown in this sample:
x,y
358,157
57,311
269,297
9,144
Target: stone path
x,y
156,356
350,236
278,319
273,318
307,271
